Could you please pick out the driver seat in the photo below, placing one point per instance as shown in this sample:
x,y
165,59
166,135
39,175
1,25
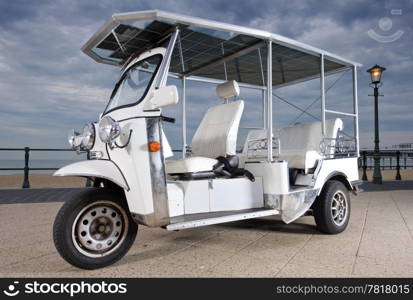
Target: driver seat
x,y
216,134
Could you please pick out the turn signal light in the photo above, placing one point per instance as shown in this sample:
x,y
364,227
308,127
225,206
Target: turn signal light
x,y
154,146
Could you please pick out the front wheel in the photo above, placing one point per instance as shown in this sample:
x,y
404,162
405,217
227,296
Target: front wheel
x,y
332,208
94,229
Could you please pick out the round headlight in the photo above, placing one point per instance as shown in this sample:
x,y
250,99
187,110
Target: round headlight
x,y
71,137
109,129
88,136
77,141
74,139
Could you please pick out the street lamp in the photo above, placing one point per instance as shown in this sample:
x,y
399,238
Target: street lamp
x,y
375,73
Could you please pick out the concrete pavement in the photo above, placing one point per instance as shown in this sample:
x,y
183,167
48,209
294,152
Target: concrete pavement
x,y
377,243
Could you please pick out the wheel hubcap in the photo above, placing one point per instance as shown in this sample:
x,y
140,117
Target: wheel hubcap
x,y
339,208
99,228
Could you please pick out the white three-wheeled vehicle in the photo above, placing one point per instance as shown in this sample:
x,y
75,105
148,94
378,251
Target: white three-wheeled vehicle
x,y
306,168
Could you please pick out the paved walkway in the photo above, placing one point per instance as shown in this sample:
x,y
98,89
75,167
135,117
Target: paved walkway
x,y
36,195
378,242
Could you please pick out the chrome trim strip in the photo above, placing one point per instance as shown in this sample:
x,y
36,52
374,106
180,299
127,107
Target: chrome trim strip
x,y
224,219
160,217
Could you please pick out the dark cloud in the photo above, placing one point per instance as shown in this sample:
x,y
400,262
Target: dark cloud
x,y
48,86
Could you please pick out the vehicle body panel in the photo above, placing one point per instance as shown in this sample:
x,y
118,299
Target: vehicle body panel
x,y
102,168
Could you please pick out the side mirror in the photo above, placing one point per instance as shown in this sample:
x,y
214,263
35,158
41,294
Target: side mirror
x,y
162,97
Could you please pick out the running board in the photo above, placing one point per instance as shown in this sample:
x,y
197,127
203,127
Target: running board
x,y
224,217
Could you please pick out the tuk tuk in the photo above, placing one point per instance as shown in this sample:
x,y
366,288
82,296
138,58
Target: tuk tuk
x,y
303,169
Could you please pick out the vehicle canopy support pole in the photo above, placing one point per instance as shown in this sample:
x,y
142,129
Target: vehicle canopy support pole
x,y
181,56
323,96
184,143
225,66
164,68
269,101
264,117
356,111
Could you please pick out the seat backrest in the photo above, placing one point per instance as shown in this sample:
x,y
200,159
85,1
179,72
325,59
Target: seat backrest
x,y
308,136
217,133
298,138
254,144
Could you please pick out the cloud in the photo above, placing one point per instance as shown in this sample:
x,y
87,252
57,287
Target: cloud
x,y
48,86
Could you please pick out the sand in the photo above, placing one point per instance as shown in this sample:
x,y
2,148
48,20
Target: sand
x,y
47,180
40,180
390,174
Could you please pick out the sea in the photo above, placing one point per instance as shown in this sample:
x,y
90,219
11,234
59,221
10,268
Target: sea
x,y
34,163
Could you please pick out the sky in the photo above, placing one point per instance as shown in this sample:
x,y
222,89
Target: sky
x,y
48,86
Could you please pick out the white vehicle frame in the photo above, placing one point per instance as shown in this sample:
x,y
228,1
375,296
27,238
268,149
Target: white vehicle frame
x,y
127,166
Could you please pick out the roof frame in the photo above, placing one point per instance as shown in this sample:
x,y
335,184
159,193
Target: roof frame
x,y
209,24
182,21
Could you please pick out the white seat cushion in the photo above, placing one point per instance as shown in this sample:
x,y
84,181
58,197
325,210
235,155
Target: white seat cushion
x,y
299,159
190,165
299,144
217,132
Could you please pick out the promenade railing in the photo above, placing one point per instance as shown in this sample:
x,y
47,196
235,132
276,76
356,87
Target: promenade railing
x,y
389,160
26,169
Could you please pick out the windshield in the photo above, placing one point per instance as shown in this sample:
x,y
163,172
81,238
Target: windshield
x,y
134,83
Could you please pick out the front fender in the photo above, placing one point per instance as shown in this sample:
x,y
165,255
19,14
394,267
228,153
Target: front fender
x,y
105,169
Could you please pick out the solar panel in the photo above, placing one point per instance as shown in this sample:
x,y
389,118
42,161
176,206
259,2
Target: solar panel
x,y
203,48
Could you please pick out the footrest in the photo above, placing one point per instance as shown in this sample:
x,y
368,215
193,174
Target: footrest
x,y
197,220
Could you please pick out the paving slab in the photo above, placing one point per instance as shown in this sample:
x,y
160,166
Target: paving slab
x,y
377,243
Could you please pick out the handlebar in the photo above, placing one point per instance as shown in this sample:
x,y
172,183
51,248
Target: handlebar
x,y
168,119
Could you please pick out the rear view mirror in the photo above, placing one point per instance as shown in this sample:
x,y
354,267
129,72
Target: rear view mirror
x,y
162,97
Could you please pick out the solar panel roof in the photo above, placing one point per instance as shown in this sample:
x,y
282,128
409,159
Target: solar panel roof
x,y
205,43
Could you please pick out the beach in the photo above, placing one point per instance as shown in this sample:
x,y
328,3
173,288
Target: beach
x,y
40,180
406,174
47,180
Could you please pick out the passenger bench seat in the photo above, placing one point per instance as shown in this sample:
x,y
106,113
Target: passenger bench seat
x,y
216,134
300,144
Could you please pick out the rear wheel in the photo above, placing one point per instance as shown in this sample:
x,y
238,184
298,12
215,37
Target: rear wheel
x,y
94,229
332,208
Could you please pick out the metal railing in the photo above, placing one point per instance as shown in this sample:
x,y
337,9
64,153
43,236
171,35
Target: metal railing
x,y
26,169
389,160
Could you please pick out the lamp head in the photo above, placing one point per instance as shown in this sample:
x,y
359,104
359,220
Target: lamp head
x,y
375,73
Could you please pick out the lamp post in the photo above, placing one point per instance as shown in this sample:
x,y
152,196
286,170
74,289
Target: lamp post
x,y
375,73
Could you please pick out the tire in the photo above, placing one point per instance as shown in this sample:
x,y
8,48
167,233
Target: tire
x,y
332,208
94,229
